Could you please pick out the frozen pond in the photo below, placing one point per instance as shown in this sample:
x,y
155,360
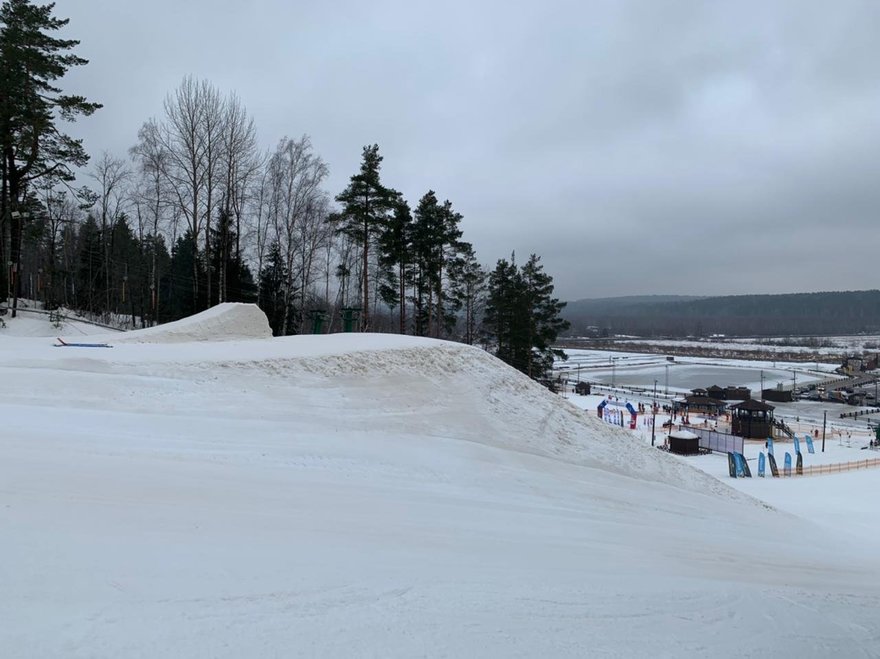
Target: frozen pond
x,y
685,377
684,374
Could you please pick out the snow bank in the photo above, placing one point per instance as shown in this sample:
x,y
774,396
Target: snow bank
x,y
462,391
376,495
229,321
37,323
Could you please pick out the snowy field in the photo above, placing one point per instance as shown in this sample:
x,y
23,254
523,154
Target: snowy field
x,y
205,491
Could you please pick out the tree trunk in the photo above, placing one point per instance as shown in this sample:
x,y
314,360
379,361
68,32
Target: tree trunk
x,y
365,315
402,277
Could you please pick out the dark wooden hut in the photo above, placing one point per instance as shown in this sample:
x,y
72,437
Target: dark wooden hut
x,y
582,388
752,419
683,442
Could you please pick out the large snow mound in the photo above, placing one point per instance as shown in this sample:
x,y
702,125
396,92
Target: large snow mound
x,y
229,321
377,495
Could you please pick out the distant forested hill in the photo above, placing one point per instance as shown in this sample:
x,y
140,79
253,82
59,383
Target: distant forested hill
x,y
736,315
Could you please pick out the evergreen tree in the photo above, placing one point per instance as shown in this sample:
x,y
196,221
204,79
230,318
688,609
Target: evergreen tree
x,y
502,306
186,261
425,233
542,310
522,317
235,282
125,264
156,282
90,267
32,146
467,290
436,243
395,244
449,247
273,279
366,208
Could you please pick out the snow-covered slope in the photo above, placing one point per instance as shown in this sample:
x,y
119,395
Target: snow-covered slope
x,y
373,495
34,322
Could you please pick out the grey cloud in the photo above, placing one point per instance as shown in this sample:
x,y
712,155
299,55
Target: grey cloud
x,y
640,147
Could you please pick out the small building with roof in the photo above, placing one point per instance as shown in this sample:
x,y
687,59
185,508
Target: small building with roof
x,y
700,404
752,419
715,392
737,393
683,442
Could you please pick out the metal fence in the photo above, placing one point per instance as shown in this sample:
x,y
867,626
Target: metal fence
x,y
712,440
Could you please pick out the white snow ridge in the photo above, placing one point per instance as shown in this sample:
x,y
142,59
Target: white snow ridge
x,y
218,493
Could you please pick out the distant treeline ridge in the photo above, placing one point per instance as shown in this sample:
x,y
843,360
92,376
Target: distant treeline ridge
x,y
842,312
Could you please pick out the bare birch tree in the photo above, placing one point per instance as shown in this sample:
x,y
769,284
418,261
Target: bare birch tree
x,y
295,175
153,198
111,175
240,165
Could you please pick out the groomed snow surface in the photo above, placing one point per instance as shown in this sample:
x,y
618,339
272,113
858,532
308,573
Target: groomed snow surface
x,y
182,495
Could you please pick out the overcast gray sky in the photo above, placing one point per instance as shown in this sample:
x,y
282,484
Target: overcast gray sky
x,y
639,147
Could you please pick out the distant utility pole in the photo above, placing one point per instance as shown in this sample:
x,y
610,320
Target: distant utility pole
x,y
654,414
762,386
667,379
824,421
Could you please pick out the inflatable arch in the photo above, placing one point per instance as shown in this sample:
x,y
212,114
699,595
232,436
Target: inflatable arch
x,y
629,408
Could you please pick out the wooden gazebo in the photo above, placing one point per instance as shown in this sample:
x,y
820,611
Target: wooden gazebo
x,y
752,419
699,405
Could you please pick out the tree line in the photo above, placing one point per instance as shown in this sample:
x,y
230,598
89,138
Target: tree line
x,y
840,312
196,214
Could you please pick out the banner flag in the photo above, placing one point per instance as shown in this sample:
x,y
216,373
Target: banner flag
x,y
761,464
745,465
787,467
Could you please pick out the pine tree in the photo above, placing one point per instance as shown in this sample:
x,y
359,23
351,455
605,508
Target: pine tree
x,y
273,278
155,293
467,290
502,308
543,311
522,317
32,146
235,282
436,243
395,244
426,230
89,269
367,205
186,262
